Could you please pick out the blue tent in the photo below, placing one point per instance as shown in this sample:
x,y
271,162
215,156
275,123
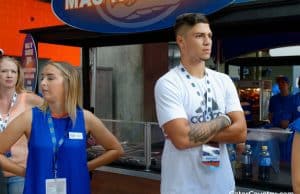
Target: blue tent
x,y
247,26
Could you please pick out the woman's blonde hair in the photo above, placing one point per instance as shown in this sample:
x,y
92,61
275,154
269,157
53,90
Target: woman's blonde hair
x,y
72,84
20,82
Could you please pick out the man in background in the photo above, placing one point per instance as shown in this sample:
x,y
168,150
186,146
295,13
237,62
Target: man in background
x,y
281,105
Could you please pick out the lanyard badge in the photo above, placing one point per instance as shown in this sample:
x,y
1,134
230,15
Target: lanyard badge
x,y
56,145
56,185
210,153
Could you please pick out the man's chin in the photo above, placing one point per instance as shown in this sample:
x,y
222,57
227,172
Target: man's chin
x,y
205,58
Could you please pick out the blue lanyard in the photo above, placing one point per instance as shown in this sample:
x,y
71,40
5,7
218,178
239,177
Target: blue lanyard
x,y
56,145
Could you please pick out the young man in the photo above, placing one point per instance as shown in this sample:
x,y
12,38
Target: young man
x,y
199,111
281,105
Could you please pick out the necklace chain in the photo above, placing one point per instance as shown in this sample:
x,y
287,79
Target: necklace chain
x,y
4,120
206,101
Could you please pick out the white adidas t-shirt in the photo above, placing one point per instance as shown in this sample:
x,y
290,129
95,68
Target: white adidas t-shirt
x,y
176,97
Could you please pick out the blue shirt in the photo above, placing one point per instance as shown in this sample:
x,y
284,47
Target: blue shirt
x,y
297,105
71,156
282,108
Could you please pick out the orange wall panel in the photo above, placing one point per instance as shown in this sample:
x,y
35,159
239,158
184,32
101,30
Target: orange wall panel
x,y
16,15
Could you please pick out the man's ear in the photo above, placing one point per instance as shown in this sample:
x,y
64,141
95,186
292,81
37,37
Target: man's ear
x,y
180,41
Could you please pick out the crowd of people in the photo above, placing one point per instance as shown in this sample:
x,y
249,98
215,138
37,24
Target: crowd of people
x,y
44,139
199,112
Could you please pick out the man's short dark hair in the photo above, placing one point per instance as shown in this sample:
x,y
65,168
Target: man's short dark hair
x,y
189,19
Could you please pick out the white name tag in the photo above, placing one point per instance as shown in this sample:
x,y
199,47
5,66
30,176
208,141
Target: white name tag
x,y
75,135
210,155
56,186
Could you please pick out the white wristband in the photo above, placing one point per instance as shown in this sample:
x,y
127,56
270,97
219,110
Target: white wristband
x,y
227,117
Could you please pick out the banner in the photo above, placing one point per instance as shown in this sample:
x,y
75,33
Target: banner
x,y
129,16
29,63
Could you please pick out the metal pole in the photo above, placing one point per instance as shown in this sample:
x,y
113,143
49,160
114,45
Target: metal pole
x,y
147,147
218,55
93,65
86,78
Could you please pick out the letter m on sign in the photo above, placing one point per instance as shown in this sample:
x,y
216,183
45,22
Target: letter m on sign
x,y
71,4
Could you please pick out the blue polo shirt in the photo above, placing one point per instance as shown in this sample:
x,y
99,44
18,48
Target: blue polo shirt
x,y
282,108
296,105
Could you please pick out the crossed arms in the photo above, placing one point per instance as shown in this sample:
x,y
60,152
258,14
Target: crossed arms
x,y
184,135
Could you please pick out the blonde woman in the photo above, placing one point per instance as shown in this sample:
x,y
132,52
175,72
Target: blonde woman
x,y
13,101
57,137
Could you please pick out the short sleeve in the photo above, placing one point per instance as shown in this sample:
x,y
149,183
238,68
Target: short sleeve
x,y
168,101
295,126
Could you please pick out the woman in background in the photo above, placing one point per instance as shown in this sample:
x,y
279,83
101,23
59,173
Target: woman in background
x,y
57,158
13,101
